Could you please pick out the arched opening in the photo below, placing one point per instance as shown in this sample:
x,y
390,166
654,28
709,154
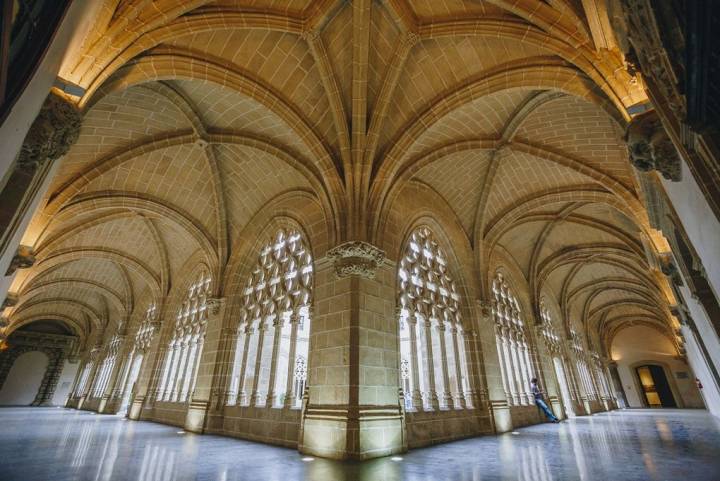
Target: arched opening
x,y
433,363
271,352
24,379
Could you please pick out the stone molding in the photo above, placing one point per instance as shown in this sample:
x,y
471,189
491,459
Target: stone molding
x,y
356,258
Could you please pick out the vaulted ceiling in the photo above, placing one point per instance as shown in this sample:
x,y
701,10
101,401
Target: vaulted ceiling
x,y
508,116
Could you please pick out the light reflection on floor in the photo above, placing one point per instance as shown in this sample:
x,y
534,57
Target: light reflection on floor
x,y
38,444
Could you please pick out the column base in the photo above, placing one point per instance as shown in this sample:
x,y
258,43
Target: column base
x,y
501,415
338,432
136,407
195,418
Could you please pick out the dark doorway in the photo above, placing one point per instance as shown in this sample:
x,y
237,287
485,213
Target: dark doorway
x,y
655,386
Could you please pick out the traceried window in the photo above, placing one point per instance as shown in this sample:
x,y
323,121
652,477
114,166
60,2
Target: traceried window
x,y
547,330
84,379
270,364
582,366
102,378
512,345
433,364
182,359
600,375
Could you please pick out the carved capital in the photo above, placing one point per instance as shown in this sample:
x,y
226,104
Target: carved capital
x,y
214,304
356,258
650,148
24,258
53,132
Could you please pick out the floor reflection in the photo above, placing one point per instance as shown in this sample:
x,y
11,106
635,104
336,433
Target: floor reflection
x,y
52,444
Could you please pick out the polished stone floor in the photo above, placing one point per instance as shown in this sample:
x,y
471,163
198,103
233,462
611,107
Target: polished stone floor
x,y
46,444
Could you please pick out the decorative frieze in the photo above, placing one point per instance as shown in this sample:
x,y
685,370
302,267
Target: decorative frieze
x,y
356,258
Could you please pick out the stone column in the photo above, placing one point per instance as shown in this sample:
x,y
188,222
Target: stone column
x,y
277,335
242,395
447,396
416,395
432,389
458,369
353,410
258,361
201,393
294,321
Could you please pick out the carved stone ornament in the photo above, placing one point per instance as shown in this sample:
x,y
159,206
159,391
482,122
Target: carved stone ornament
x,y
53,132
486,307
214,304
9,301
356,258
4,322
24,258
650,148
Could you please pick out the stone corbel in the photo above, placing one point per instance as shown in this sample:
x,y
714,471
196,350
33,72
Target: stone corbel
x,y
650,148
668,267
215,304
485,308
54,131
356,258
24,258
10,301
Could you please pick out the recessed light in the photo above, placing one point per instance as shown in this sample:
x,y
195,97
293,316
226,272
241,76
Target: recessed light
x,y
396,458
307,459
181,432
515,433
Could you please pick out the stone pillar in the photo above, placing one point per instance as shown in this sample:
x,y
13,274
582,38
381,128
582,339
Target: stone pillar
x,y
353,410
200,396
496,392
221,383
51,135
